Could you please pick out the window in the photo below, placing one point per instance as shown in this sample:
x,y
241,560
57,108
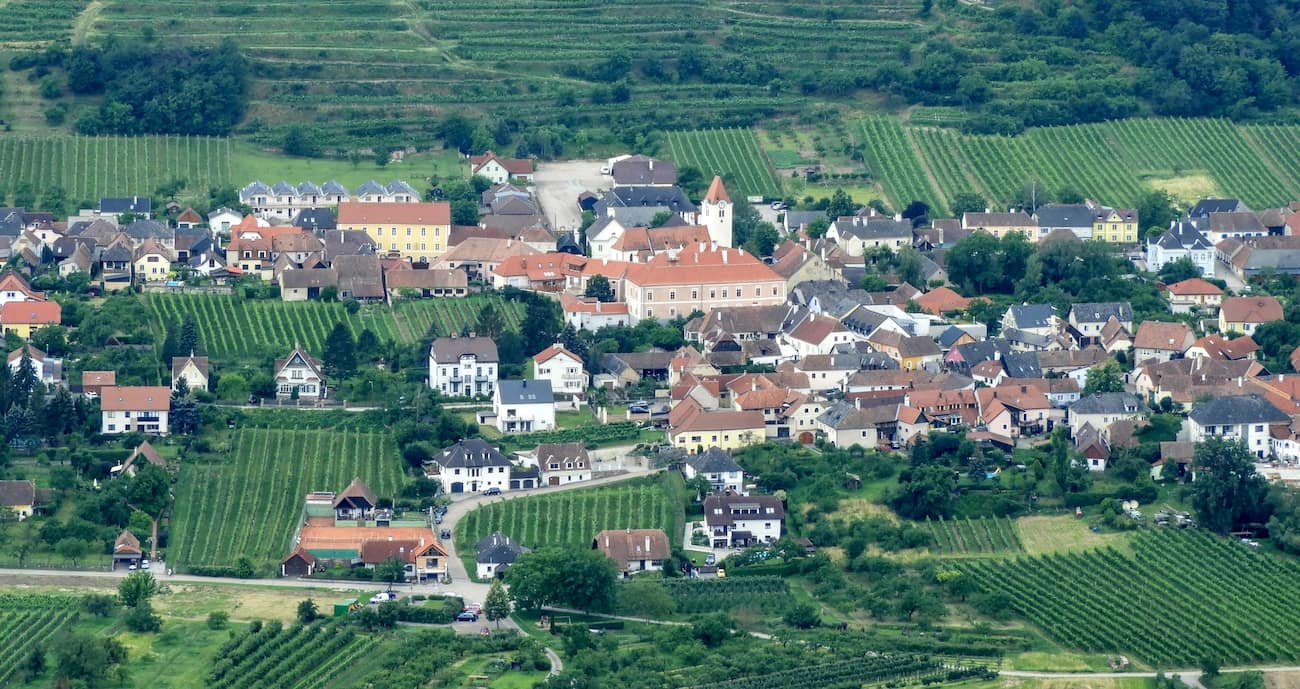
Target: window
x,y
672,295
774,291
695,294
724,292
649,295
758,291
1258,428
422,231
408,232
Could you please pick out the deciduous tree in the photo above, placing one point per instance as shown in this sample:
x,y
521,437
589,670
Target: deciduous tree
x,y
576,578
496,606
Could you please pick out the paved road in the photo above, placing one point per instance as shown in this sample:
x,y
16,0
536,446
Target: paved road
x,y
461,505
1223,272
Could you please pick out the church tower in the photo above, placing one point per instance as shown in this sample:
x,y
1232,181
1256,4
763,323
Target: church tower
x,y
715,213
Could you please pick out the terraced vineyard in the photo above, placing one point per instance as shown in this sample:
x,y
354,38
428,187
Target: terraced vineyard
x,y
732,153
1182,597
231,329
974,536
248,504
1111,162
297,657
573,517
29,621
88,167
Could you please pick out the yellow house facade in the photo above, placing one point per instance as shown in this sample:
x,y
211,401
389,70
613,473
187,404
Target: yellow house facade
x,y
1001,224
415,231
728,430
1115,225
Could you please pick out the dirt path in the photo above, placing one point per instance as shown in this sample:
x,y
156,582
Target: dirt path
x,y
557,187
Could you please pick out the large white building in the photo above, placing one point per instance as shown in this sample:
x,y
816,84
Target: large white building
x,y
563,369
739,521
463,366
126,409
1246,418
472,466
1181,240
524,406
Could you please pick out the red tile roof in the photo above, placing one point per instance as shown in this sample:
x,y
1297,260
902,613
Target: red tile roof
x,y
360,213
135,398
553,351
1193,286
717,192
515,166
1251,309
31,313
702,266
941,299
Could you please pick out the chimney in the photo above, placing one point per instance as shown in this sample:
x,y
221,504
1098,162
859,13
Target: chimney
x,y
857,402
647,543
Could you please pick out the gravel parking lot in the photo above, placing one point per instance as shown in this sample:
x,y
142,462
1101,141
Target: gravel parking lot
x,y
558,186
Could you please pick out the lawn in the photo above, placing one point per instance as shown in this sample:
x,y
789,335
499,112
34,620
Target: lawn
x,y
1041,535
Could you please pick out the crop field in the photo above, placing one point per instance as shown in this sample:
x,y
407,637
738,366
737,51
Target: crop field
x,y
732,153
89,167
231,329
31,23
573,517
248,504
769,594
1181,597
974,536
883,670
1110,162
29,621
296,657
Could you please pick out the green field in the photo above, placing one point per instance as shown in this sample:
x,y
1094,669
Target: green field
x,y
1180,598
248,504
230,329
28,622
974,536
769,594
1113,162
574,517
732,153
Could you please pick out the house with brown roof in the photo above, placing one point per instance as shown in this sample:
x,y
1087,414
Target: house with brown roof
x,y
818,335
360,277
1245,314
302,284
93,382
501,170
697,278
422,558
634,550
639,244
192,369
299,376
14,287
300,563
1220,347
739,521
406,282
1001,224
24,317
415,231
140,409
126,549
1115,337
18,497
357,501
797,263
1013,411
143,453
1194,294
152,261
693,428
941,300
552,272
1186,380
479,257
48,369
592,314
561,463
1161,341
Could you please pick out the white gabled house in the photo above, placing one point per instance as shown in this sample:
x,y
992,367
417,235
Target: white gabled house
x,y
739,521
563,369
718,468
471,466
524,406
299,373
142,409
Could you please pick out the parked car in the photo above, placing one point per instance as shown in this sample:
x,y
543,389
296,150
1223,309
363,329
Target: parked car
x,y
445,534
779,205
639,408
467,616
492,491
383,597
144,564
710,559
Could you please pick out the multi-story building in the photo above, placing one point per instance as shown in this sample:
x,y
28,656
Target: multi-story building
x,y
471,465
1182,239
738,521
141,409
284,200
563,369
699,278
463,366
415,231
1246,418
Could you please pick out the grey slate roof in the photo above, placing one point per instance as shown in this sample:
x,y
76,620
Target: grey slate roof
x,y
448,350
639,169
1032,315
1182,235
525,392
126,204
471,453
1205,207
332,188
1022,365
498,549
874,228
714,461
140,230
1238,409
1108,403
315,219
1069,215
667,198
1100,312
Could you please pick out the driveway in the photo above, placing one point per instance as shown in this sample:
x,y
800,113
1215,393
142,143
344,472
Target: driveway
x,y
1223,272
557,187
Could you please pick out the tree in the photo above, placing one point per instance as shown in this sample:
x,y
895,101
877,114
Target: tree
x,y
391,570
138,587
1104,378
496,606
1176,271
968,202
1155,211
645,598
542,322
490,323
72,549
841,204
908,266
149,489
98,604
244,568
189,339
307,611
576,578
87,659
340,355
1227,493
916,209
925,491
297,143
802,616
817,228
185,416
598,288
218,619
142,619
712,629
